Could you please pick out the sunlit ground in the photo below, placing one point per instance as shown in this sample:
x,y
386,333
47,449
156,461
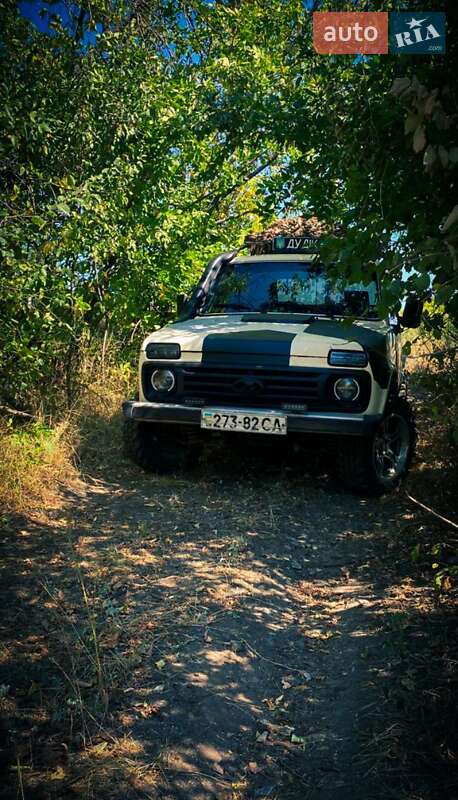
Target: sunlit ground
x,y
231,633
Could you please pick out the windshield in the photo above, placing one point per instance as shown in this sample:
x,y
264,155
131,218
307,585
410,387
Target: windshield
x,y
288,286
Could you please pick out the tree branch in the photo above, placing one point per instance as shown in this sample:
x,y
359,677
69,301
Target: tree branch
x,y
15,412
431,511
236,216
249,177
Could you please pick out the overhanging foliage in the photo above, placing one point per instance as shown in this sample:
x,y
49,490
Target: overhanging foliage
x,y
131,155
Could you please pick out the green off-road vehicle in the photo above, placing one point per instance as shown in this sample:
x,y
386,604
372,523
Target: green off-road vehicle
x,y
269,345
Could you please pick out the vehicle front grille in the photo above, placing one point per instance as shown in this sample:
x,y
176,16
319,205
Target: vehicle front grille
x,y
255,388
292,388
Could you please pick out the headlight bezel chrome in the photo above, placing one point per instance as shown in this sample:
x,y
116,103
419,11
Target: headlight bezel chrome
x,y
354,382
167,351
163,371
347,358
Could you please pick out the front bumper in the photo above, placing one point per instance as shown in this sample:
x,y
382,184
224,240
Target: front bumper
x,y
303,422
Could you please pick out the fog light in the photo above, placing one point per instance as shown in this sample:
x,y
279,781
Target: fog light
x,y
163,380
346,389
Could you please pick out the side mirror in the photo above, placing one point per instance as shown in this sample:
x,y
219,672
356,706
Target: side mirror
x,y
182,301
411,316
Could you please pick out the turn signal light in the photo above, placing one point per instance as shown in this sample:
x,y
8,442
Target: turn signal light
x,y
347,358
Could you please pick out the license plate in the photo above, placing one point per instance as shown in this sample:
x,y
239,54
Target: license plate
x,y
246,422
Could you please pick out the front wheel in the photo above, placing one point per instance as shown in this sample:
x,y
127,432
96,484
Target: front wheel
x,y
157,447
377,464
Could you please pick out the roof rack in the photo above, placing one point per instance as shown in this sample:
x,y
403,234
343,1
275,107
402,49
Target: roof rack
x,y
291,235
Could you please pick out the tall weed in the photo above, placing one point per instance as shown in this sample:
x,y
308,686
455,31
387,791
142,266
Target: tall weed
x,y
39,457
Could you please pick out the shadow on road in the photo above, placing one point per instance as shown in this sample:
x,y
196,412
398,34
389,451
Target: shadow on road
x,y
230,633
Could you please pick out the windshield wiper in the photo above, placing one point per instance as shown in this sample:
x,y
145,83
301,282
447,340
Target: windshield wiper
x,y
314,312
232,307
288,305
329,311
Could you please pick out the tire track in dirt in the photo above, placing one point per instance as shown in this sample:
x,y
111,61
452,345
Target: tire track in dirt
x,y
241,617
268,656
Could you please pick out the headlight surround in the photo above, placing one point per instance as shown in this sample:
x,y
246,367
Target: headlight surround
x,y
163,380
347,389
347,358
163,350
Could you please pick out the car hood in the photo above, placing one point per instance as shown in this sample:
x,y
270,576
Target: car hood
x,y
241,334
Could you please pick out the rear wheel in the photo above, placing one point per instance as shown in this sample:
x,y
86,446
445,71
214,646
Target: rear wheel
x,y
156,447
377,464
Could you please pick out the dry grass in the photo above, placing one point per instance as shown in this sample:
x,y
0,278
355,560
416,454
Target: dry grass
x,y
99,415
40,458
35,462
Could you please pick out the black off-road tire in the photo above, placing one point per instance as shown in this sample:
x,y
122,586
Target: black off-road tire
x,y
355,457
156,447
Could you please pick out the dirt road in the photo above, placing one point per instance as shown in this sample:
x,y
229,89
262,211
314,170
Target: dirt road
x,y
242,615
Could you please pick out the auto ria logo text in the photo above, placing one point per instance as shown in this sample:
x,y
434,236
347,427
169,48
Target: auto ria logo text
x,y
367,32
417,33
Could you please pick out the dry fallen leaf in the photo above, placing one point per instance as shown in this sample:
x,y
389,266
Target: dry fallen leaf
x,y
148,709
99,748
399,85
419,139
451,219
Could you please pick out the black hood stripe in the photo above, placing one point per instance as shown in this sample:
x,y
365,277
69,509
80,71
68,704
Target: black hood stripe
x,y
347,333
261,347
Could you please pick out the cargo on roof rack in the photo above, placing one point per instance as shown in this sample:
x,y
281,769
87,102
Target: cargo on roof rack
x,y
284,244
291,235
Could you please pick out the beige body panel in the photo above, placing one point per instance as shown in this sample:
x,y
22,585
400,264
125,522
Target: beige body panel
x,y
307,349
191,333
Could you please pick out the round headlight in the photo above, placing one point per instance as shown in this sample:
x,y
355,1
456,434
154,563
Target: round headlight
x,y
163,380
346,389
